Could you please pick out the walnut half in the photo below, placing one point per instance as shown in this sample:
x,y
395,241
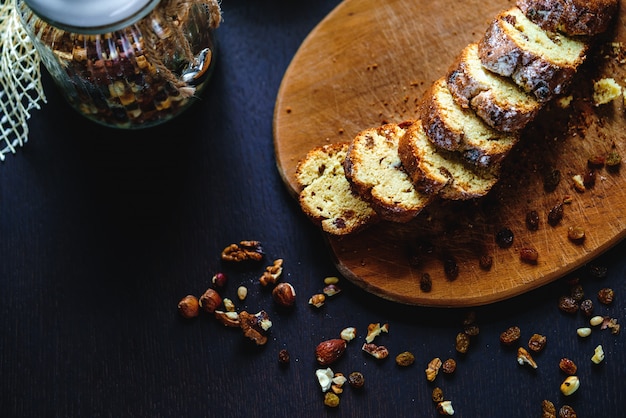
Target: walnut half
x,y
245,250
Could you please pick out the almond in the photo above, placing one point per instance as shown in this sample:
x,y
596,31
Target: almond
x,y
327,352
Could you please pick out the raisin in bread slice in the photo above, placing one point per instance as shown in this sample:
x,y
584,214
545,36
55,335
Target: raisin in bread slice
x,y
373,167
495,99
445,173
571,17
326,195
540,62
453,128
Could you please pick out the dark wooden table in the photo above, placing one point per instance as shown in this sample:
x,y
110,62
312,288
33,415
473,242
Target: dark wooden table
x,y
103,231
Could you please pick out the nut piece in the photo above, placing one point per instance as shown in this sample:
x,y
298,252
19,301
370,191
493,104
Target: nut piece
x,y
245,250
596,320
228,319
377,351
219,280
331,290
537,342
548,410
272,273
284,295
570,385
348,333
331,280
324,378
255,326
189,307
317,300
329,351
405,359
583,332
374,330
210,300
242,292
229,305
445,408
432,370
598,355
524,357
338,381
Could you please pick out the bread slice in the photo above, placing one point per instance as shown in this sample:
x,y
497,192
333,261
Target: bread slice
x,y
445,173
571,17
495,99
326,196
540,62
453,128
374,169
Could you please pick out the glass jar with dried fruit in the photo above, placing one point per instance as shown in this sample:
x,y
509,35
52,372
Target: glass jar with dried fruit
x,y
125,63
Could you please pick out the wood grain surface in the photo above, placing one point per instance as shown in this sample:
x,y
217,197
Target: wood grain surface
x,y
368,63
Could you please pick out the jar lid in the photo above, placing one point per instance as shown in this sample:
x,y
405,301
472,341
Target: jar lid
x,y
91,16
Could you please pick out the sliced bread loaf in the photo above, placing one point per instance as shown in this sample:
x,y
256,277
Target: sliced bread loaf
x,y
497,100
326,196
374,169
445,173
572,17
540,62
453,128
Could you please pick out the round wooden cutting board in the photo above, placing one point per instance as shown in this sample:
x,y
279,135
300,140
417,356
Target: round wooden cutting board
x,y
368,62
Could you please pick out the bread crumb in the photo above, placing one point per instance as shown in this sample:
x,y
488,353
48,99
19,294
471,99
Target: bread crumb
x,y
564,102
605,91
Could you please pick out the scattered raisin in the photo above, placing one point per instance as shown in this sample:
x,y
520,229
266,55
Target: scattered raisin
x,y
472,330
437,395
568,366
532,220
568,304
529,255
504,238
485,262
606,295
537,342
555,215
589,179
331,400
596,161
451,268
449,366
577,292
548,410
405,359
551,180
613,160
462,342
426,283
567,411
576,234
283,356
586,307
597,272
510,335
356,380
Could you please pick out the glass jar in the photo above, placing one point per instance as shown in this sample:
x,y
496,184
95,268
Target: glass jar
x,y
125,63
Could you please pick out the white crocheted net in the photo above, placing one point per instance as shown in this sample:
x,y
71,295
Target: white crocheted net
x,y
20,80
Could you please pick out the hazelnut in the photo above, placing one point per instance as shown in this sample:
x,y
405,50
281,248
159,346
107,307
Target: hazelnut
x,y
210,300
284,295
189,307
329,351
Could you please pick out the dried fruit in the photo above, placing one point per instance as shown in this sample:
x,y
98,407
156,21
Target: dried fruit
x,y
551,180
189,307
532,220
255,326
511,335
537,342
504,238
567,366
555,215
405,359
576,234
450,268
462,342
589,179
377,351
598,355
547,409
567,411
471,330
356,380
245,250
272,273
485,262
528,255
283,356
432,370
613,160
426,283
606,295
596,161
524,357
437,395
210,300
570,385
577,292
219,280
597,272
448,366
568,304
284,295
586,307
329,351
331,400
